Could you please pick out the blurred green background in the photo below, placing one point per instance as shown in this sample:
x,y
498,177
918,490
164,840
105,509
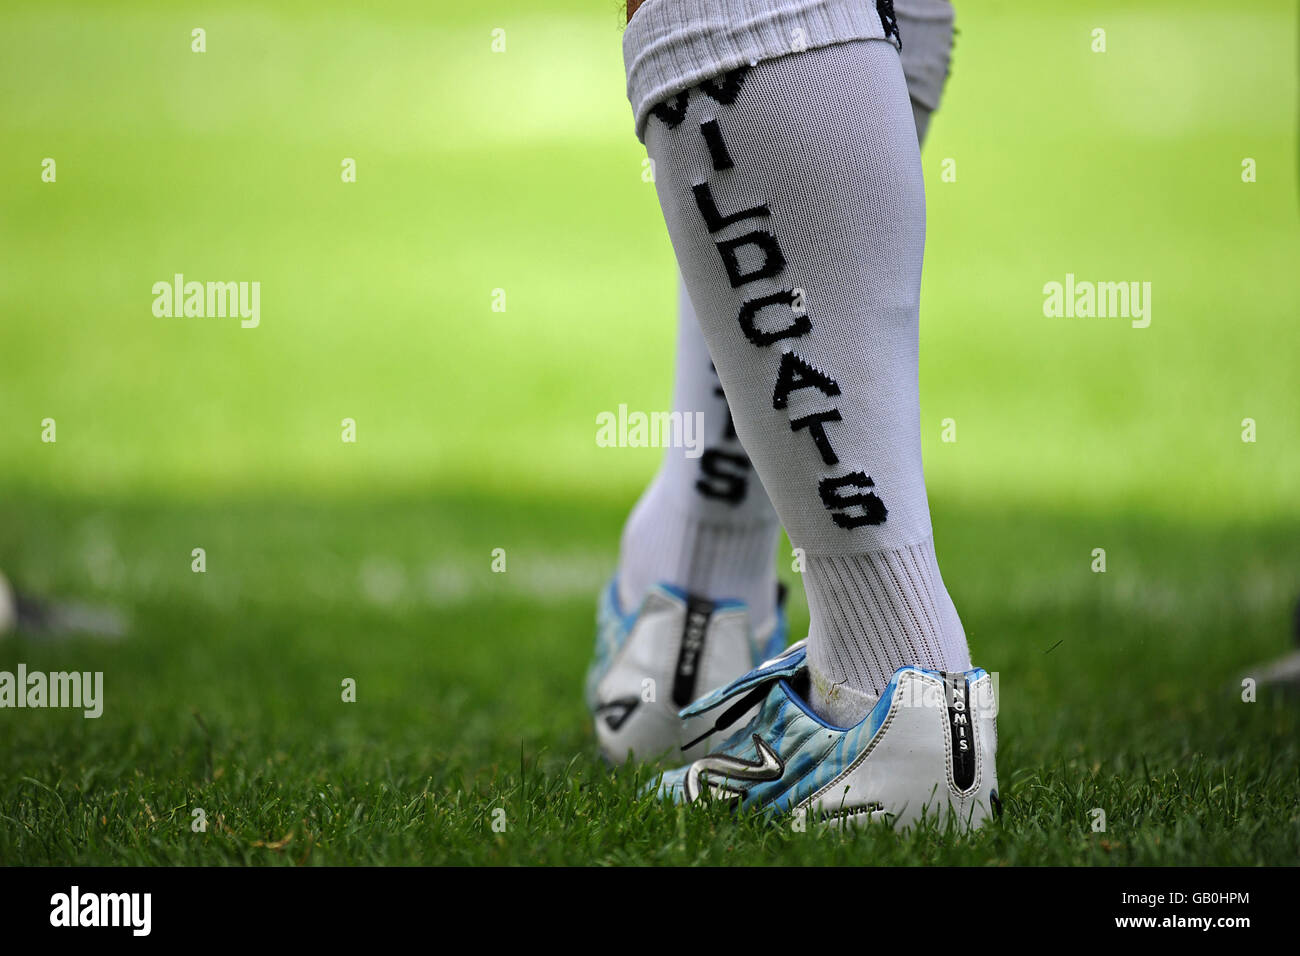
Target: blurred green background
x,y
519,171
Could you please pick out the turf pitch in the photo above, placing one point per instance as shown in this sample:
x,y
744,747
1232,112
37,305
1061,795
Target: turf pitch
x,y
480,171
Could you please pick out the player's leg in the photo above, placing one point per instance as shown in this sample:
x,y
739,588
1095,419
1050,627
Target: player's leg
x,y
694,601
927,26
825,399
705,525
655,546
788,172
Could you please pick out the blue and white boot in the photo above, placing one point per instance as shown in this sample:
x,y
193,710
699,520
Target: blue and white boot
x,y
926,749
654,661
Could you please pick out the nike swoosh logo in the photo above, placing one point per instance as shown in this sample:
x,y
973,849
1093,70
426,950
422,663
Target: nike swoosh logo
x,y
616,712
703,773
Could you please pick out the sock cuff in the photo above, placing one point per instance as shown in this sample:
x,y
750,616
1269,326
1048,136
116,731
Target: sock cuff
x,y
708,558
671,45
873,613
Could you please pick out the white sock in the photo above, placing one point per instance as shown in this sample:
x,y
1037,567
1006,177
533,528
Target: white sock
x,y
705,524
898,599
788,179
680,531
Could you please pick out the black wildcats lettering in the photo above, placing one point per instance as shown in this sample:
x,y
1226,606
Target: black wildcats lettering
x,y
724,475
730,430
840,495
726,88
717,148
816,425
752,257
765,243
716,220
795,374
671,112
748,318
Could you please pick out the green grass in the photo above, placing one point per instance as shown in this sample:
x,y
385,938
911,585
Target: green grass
x,y
1118,692
372,561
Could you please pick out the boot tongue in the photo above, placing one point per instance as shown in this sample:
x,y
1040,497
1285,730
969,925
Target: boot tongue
x,y
784,666
733,713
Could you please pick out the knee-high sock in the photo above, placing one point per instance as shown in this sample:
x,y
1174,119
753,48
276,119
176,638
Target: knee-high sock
x,y
704,524
791,187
